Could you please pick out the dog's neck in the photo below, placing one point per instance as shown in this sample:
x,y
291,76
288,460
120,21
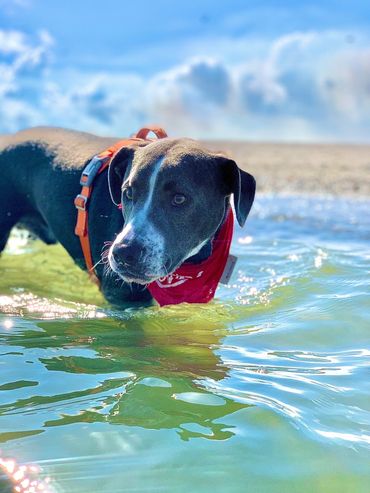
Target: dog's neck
x,y
206,251
203,254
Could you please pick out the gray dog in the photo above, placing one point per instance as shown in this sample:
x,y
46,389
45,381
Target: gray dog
x,y
174,198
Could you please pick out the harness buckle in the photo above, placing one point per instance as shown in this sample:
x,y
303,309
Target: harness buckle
x,y
91,170
81,202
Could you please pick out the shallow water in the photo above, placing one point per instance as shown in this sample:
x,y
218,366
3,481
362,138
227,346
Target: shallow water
x,y
266,389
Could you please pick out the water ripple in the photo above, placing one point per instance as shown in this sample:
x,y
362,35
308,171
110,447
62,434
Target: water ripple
x,y
276,368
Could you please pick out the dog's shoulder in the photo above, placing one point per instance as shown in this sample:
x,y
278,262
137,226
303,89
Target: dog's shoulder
x,y
67,148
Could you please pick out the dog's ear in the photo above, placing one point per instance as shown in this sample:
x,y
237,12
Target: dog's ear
x,y
241,184
117,170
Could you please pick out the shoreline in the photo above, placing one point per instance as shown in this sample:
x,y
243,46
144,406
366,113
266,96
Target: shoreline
x,y
309,169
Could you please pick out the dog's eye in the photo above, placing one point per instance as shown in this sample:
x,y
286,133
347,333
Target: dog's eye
x,y
128,193
178,199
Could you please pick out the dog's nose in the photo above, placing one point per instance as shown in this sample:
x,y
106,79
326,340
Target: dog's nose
x,y
125,254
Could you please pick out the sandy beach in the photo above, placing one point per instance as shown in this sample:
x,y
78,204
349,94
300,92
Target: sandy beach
x,y
330,169
325,169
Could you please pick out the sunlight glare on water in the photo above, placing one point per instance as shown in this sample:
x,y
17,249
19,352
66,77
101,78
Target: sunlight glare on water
x,y
264,389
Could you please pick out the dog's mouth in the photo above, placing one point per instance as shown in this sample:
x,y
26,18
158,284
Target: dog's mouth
x,y
146,270
138,276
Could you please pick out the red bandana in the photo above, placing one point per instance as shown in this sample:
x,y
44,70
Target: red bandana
x,y
196,283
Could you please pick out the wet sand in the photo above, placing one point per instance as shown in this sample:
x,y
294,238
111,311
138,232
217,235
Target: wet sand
x,y
330,169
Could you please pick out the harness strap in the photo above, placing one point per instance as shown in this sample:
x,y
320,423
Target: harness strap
x,y
96,166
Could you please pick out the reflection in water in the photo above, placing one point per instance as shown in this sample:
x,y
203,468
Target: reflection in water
x,y
154,374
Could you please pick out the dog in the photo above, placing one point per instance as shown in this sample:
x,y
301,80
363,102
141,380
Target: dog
x,y
174,197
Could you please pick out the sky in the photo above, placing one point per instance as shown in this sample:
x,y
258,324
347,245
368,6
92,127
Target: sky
x,y
228,69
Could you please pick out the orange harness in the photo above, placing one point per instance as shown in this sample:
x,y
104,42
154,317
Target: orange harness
x,y
97,165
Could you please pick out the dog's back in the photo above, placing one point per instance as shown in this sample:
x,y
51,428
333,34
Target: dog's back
x,y
65,148
31,162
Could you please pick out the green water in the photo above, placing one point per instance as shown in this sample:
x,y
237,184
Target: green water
x,y
266,389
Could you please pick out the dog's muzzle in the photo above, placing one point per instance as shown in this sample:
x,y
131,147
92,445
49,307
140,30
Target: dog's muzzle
x,y
134,262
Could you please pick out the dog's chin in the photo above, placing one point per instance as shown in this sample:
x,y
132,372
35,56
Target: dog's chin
x,y
137,277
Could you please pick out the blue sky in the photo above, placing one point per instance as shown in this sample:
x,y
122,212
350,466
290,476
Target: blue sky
x,y
282,70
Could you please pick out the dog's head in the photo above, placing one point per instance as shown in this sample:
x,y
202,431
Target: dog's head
x,y
174,197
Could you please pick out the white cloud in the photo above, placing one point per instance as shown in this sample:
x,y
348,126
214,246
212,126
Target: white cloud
x,y
189,96
297,87
264,81
99,103
19,53
345,85
16,114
